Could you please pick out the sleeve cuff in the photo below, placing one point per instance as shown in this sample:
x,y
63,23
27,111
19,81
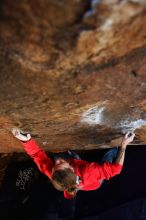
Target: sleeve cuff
x,y
30,147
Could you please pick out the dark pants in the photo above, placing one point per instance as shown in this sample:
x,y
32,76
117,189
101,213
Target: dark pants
x,y
109,156
65,155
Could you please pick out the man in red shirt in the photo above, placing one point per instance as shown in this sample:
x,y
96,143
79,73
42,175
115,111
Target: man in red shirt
x,y
71,175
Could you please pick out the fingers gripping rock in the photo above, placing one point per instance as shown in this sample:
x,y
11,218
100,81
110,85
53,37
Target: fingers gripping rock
x,y
21,135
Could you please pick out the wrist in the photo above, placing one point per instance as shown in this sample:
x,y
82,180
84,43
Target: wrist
x,y
123,146
25,141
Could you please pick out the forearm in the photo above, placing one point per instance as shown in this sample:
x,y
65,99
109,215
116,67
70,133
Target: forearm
x,y
31,147
41,159
121,155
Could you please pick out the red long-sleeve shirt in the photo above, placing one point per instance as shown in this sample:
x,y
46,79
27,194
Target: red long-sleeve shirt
x,y
90,174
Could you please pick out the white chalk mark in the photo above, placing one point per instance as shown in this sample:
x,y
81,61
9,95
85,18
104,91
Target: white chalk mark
x,y
138,1
131,125
98,116
93,116
107,24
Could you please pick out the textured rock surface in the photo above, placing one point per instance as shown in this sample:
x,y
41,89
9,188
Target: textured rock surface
x,y
73,73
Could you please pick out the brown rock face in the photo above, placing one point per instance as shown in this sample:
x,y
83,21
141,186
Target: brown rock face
x,y
72,72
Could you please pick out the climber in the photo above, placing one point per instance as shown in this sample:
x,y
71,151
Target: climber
x,y
73,174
